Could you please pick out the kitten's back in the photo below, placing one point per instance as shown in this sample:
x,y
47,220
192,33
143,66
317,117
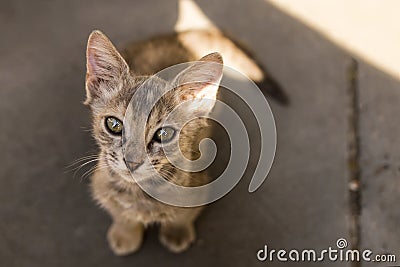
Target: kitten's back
x,y
153,55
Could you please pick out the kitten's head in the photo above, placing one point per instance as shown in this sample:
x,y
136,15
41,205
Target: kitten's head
x,y
110,85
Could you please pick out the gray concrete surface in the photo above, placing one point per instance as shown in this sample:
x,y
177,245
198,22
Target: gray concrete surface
x,y
47,216
380,161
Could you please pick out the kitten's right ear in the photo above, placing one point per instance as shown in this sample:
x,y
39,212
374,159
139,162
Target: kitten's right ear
x,y
104,65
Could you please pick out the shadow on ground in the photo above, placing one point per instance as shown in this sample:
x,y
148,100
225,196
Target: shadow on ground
x,y
47,216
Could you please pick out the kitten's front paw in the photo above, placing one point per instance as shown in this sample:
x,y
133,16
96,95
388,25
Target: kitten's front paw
x,y
177,238
124,239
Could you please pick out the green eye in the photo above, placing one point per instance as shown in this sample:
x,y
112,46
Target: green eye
x,y
164,134
114,125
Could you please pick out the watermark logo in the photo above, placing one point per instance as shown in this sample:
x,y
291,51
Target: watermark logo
x,y
339,253
225,115
341,243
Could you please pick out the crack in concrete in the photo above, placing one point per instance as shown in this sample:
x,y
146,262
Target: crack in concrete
x,y
354,158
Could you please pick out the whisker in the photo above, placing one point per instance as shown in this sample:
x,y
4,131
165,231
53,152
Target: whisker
x,y
166,174
77,161
84,164
92,170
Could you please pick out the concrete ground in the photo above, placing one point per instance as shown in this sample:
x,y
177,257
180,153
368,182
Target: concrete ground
x,y
367,28
47,216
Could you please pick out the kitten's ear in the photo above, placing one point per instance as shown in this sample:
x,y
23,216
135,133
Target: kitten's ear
x,y
200,82
104,64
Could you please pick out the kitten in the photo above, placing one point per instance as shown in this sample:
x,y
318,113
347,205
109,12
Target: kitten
x,y
111,82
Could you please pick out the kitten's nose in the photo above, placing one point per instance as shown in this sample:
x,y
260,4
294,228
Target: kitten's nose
x,y
132,165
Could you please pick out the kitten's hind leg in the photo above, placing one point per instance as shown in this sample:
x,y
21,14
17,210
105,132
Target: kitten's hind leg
x,y
125,237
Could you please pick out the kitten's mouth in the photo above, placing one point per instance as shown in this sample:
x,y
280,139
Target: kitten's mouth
x,y
129,176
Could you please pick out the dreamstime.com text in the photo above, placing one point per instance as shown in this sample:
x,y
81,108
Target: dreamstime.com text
x,y
339,253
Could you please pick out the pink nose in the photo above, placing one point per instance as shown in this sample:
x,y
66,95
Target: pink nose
x,y
132,165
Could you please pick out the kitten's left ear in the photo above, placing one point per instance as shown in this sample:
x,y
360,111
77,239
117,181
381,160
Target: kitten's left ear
x,y
200,82
104,65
